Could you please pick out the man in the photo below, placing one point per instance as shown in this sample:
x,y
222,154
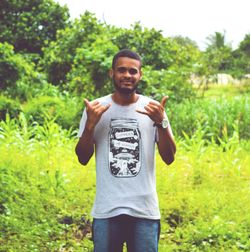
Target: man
x,y
122,129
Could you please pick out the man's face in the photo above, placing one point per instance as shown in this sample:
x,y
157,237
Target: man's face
x,y
126,75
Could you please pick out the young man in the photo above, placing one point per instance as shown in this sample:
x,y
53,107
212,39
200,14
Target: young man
x,y
122,129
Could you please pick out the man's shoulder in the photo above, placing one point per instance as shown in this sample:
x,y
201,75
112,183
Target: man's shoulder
x,y
103,99
146,99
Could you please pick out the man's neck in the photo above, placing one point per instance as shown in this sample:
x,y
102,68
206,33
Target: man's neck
x,y
124,99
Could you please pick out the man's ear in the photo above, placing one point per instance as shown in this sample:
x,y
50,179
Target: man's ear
x,y
140,74
111,73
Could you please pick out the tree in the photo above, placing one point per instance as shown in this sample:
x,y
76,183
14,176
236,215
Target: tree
x,y
59,54
218,54
89,73
18,75
149,43
29,24
216,40
245,50
241,58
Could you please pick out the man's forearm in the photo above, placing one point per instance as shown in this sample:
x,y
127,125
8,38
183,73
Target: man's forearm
x,y
166,145
85,146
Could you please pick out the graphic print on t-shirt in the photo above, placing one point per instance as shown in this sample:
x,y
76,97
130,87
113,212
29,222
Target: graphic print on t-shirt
x,y
124,147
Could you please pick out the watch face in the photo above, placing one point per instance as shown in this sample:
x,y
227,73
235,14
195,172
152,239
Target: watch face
x,y
164,123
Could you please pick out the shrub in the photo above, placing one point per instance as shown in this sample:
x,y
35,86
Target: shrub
x,y
166,82
18,75
64,111
8,106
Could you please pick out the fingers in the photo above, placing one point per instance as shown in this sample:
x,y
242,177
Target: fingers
x,y
164,100
94,111
106,107
95,104
154,110
141,112
87,103
95,107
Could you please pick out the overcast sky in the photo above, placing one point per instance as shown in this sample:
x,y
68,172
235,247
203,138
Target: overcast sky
x,y
196,19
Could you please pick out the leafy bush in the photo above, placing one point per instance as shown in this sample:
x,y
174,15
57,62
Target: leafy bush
x,y
9,66
46,196
10,107
59,55
64,110
28,25
18,75
173,83
89,75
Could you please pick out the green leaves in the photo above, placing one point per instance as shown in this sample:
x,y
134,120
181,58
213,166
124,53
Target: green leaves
x,y
46,196
27,25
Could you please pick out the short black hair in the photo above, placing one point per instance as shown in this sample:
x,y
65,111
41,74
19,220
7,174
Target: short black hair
x,y
126,53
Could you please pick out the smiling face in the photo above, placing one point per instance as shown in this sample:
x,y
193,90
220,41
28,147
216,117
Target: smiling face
x,y
126,74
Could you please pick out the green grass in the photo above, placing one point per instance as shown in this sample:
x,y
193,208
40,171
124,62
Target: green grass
x,y
216,117
204,197
229,90
46,196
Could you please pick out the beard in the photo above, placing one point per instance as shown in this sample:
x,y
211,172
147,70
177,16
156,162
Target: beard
x,y
125,90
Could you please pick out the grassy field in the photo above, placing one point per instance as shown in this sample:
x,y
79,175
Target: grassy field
x,y
230,90
46,196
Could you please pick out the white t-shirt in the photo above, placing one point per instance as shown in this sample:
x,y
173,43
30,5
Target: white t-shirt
x,y
125,161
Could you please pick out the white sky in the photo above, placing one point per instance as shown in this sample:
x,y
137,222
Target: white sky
x,y
196,19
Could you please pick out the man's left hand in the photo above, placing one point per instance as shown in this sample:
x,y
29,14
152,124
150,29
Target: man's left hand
x,y
155,110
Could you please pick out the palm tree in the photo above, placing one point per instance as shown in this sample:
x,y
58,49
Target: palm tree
x,y
217,40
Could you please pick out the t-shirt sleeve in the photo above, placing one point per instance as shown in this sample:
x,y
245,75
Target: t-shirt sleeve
x,y
82,123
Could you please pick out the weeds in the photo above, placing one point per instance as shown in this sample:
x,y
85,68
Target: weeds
x,y
46,196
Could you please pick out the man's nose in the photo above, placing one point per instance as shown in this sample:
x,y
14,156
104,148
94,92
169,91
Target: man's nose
x,y
127,74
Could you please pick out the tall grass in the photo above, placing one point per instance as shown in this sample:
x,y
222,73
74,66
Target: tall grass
x,y
43,190
204,196
46,196
218,117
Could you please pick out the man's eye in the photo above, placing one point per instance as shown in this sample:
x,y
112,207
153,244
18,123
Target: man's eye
x,y
122,69
131,71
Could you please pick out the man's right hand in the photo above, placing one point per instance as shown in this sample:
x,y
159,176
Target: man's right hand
x,y
94,113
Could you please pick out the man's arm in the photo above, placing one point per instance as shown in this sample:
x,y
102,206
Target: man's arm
x,y
166,145
85,146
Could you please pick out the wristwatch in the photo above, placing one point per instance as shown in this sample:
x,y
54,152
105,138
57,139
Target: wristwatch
x,y
164,123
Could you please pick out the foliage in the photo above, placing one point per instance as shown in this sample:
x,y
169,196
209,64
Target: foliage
x,y
10,107
218,60
63,110
59,55
29,25
76,55
245,45
149,43
218,55
89,74
79,61
218,118
173,83
217,40
46,196
204,197
241,58
37,193
18,75
10,66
